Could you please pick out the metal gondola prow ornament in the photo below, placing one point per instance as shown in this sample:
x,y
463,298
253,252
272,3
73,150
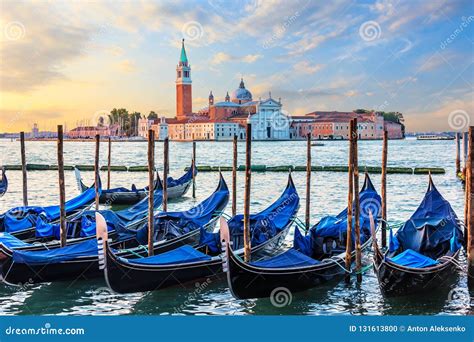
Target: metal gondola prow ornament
x,y
102,236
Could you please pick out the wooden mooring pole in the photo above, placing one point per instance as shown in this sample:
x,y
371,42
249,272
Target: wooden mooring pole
x,y
109,161
234,177
465,140
308,181
470,206
151,187
248,175
350,198
384,188
62,191
194,169
458,154
23,168
165,174
355,162
96,170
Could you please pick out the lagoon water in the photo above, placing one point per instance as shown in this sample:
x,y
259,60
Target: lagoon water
x,y
329,196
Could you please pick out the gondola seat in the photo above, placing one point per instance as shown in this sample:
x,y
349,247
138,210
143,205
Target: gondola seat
x,y
290,258
183,254
411,258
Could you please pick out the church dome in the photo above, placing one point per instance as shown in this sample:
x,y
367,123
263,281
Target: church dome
x,y
241,95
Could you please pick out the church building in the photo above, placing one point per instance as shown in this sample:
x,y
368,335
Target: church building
x,y
220,120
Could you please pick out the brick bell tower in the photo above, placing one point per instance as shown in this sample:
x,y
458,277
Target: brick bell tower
x,y
184,98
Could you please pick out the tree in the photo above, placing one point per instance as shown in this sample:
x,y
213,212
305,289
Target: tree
x,y
152,115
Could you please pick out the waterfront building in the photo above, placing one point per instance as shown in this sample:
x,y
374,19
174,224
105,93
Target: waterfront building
x,y
335,125
89,132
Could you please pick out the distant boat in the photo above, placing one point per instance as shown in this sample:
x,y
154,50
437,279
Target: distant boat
x,y
317,144
434,137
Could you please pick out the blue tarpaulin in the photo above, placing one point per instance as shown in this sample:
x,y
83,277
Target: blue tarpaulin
x,y
410,258
20,218
431,228
172,224
270,221
183,254
336,226
83,249
288,259
11,241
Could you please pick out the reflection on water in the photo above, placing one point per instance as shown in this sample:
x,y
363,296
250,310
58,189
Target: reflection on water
x,y
211,296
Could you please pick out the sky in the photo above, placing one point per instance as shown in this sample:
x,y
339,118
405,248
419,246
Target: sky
x,y
64,62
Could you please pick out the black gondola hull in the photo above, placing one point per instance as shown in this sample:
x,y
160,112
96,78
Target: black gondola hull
x,y
124,277
397,280
250,282
88,268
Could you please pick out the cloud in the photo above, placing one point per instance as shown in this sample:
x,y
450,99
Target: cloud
x,y
351,93
127,66
432,62
38,56
306,67
439,118
222,57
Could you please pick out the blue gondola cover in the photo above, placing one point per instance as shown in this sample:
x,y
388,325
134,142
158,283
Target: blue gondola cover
x,y
290,258
84,249
183,254
410,258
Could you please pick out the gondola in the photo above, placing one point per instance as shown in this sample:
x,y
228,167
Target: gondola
x,y
423,253
175,187
268,228
20,219
81,227
315,259
81,224
3,183
80,260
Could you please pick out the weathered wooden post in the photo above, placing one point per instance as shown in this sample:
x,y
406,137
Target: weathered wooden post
x,y
165,174
465,140
194,169
23,168
62,191
350,198
151,187
248,175
234,178
458,154
356,202
97,170
109,161
384,188
308,181
470,206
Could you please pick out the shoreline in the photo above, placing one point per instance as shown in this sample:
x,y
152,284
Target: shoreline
x,y
188,141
